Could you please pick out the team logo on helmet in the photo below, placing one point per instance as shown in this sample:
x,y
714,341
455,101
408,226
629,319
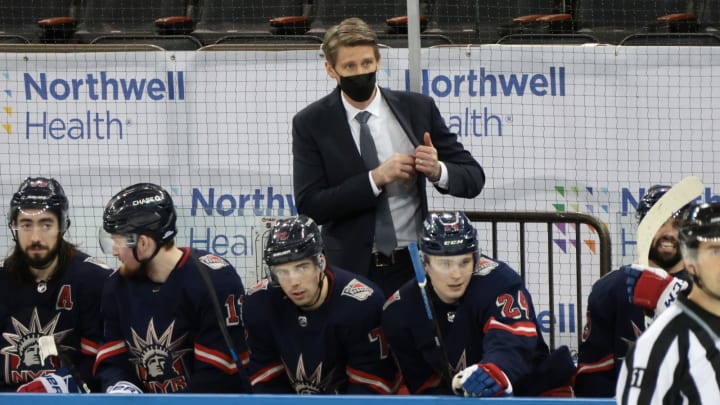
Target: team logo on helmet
x,y
40,183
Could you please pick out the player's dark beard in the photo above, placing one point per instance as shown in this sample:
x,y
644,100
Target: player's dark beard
x,y
665,261
40,262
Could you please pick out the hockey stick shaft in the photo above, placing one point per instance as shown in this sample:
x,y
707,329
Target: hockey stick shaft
x,y
244,379
429,310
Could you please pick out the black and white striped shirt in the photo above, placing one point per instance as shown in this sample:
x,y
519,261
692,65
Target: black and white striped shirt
x,y
675,361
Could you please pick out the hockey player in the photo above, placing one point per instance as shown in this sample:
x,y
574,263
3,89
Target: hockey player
x,y
490,338
48,288
675,361
622,304
313,328
163,332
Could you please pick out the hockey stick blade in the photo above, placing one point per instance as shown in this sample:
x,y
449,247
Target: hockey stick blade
x,y
677,197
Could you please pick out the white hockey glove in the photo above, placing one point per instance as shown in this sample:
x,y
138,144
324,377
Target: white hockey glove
x,y
652,288
123,387
51,383
482,380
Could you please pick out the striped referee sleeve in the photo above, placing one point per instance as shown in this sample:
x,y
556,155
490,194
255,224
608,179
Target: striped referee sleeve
x,y
675,361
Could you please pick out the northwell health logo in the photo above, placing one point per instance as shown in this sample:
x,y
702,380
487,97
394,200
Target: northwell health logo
x,y
589,200
72,106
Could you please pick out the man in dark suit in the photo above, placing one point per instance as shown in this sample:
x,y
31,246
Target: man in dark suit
x,y
361,156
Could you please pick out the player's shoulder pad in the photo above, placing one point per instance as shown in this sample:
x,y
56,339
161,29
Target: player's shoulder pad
x,y
393,298
97,262
261,286
484,266
213,262
357,290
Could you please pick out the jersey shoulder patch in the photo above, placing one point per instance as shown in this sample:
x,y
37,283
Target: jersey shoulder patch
x,y
485,266
262,285
358,290
97,262
393,298
214,262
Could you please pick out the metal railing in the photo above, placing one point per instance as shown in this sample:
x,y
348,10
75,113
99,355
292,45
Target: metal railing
x,y
551,218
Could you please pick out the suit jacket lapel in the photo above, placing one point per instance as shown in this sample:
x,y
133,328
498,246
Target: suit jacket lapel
x,y
401,114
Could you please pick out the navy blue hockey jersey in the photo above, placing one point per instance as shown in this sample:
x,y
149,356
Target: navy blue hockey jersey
x,y
65,307
494,322
611,324
165,338
337,348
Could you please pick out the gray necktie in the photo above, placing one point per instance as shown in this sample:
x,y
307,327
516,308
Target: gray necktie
x,y
385,240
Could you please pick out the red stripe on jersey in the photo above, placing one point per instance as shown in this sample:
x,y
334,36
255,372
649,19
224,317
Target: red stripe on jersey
x,y
88,347
184,258
267,373
605,364
372,381
215,358
524,328
108,350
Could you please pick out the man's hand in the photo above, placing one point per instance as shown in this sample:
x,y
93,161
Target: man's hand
x,y
398,167
482,380
123,387
51,383
652,288
426,160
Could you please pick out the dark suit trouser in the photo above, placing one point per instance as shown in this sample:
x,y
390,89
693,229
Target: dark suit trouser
x,y
389,273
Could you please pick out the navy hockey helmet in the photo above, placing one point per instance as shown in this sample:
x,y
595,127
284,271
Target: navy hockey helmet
x,y
448,234
700,222
292,239
652,196
40,193
143,208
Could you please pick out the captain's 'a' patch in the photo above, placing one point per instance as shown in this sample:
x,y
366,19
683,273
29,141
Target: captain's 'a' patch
x,y
214,262
358,290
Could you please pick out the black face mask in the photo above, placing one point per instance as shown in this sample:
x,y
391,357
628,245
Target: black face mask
x,y
359,87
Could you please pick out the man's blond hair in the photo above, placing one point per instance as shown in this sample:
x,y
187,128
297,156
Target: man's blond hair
x,y
350,32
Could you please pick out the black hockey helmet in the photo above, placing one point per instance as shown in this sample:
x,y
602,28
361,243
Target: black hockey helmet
x,y
292,239
448,234
41,193
700,222
652,196
143,208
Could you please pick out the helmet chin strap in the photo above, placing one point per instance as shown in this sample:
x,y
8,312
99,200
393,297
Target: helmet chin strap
x,y
146,261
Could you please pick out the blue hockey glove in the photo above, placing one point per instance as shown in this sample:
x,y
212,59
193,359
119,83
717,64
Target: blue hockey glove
x,y
482,380
652,288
